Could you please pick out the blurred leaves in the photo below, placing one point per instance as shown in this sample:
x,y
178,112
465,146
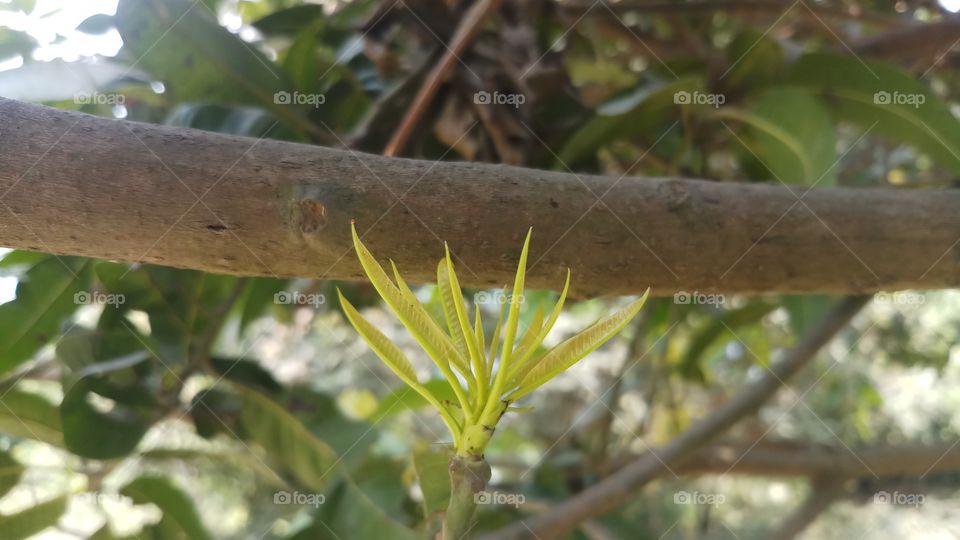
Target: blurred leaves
x,y
45,298
169,348
10,473
790,134
881,98
181,43
288,442
33,520
633,114
180,519
431,464
13,43
29,416
100,23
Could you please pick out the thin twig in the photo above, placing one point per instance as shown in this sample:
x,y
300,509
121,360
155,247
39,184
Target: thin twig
x,y
469,27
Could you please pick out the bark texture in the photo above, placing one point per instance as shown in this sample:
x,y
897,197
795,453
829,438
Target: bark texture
x,y
81,185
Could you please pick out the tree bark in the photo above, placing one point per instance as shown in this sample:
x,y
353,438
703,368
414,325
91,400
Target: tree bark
x,y
81,185
827,462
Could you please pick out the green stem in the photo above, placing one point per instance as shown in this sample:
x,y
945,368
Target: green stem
x,y
468,476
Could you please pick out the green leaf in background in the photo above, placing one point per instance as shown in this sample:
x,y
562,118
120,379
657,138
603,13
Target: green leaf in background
x,y
289,442
215,411
13,43
431,464
91,432
301,62
103,364
755,59
323,417
232,120
182,304
405,399
10,472
633,114
101,23
29,416
346,511
885,100
290,21
246,371
805,311
33,520
45,297
790,133
181,43
708,336
180,519
259,297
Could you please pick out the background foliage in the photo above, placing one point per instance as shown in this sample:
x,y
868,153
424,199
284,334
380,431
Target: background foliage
x,y
147,402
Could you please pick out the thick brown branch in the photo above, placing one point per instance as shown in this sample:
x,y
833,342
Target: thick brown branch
x,y
82,185
819,461
617,489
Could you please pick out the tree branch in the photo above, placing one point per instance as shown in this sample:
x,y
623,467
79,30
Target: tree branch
x,y
469,27
76,184
816,460
612,492
823,493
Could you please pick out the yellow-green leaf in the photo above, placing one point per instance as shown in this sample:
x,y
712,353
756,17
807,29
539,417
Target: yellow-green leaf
x,y
466,331
478,337
411,313
459,360
394,358
561,357
495,340
417,321
522,359
449,309
529,341
516,298
391,355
